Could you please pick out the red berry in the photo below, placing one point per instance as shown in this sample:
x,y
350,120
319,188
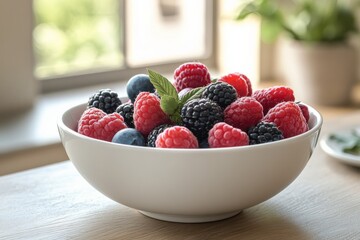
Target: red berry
x,y
238,81
305,111
191,75
248,82
225,135
176,137
148,113
288,118
244,113
97,124
269,97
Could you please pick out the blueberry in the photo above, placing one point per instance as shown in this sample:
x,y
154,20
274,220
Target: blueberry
x,y
129,136
138,83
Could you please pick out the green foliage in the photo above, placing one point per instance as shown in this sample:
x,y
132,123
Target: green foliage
x,y
169,99
350,143
305,20
73,35
170,102
192,94
162,84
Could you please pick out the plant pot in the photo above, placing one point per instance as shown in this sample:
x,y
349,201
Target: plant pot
x,y
319,73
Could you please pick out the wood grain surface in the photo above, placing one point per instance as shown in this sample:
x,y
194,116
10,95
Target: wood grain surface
x,y
54,202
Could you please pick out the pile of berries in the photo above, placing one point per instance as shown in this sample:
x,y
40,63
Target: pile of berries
x,y
193,111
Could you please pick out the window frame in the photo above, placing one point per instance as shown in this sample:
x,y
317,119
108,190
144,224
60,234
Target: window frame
x,y
108,75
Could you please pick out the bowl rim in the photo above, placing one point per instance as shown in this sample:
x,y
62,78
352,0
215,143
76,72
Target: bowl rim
x,y
313,112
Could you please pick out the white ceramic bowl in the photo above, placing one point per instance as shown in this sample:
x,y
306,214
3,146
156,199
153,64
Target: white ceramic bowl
x,y
188,185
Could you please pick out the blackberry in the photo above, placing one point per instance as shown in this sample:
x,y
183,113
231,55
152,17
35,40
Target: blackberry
x,y
264,132
154,133
104,99
220,92
200,115
126,110
204,143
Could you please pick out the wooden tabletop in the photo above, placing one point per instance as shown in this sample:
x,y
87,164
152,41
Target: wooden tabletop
x,y
54,202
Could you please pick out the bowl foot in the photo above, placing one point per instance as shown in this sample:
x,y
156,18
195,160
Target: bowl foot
x,y
189,218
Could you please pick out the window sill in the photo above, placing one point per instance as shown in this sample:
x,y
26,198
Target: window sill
x,y
30,138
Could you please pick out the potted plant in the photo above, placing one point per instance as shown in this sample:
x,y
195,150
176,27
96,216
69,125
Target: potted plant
x,y
316,58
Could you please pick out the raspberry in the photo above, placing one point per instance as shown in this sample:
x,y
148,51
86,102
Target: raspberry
x,y
221,93
176,137
191,75
155,133
126,110
305,111
200,115
269,97
244,113
288,117
148,113
238,82
264,132
224,135
104,99
248,82
95,123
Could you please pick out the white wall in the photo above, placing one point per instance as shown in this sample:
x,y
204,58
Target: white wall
x,y
17,84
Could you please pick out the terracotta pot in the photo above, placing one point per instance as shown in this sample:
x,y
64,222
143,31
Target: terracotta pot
x,y
319,73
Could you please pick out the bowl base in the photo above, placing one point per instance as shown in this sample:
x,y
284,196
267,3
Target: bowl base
x,y
189,218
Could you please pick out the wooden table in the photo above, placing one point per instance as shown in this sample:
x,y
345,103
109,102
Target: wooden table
x,y
54,202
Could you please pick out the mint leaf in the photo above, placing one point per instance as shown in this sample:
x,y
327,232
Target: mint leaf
x,y
171,107
192,94
163,85
349,143
176,118
168,104
354,149
214,80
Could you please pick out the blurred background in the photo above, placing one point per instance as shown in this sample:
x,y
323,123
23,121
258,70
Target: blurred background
x,y
54,54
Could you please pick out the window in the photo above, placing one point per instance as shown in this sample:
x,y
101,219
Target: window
x,y
88,41
73,36
134,34
166,30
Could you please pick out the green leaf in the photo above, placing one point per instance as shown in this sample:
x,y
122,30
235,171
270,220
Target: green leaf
x,y
247,9
354,149
176,118
306,20
270,30
214,80
197,94
169,104
163,85
349,143
193,93
171,107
